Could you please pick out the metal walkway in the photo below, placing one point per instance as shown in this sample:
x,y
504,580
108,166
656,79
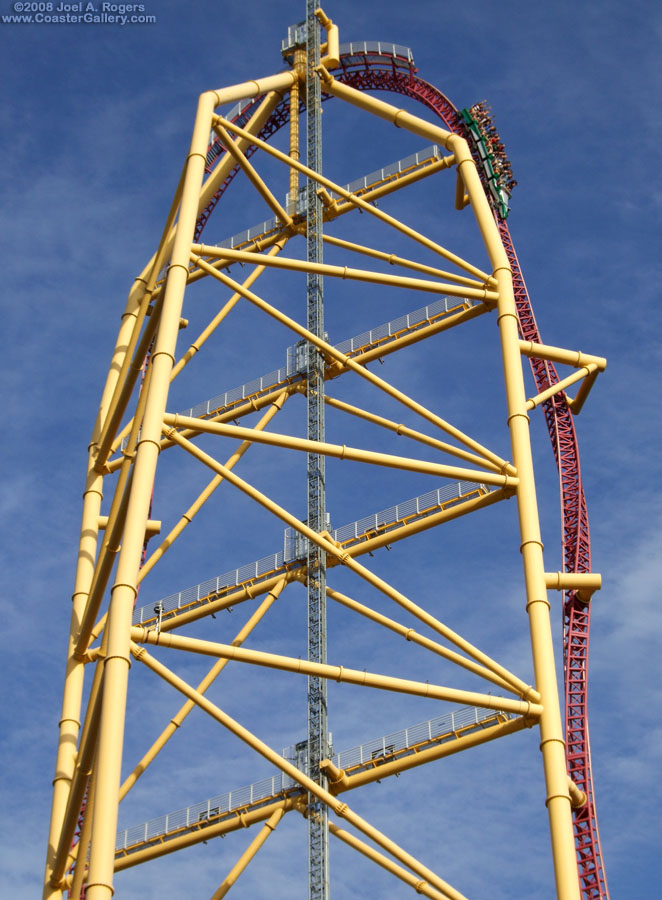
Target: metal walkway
x,y
294,551
296,206
232,804
294,369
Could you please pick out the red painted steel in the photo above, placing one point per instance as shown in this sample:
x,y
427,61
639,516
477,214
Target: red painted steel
x,y
386,73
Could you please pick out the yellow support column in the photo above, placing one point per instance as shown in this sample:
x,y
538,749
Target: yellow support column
x,y
123,593
87,551
552,743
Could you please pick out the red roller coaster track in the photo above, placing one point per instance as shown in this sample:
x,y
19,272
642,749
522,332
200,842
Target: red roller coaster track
x,y
381,70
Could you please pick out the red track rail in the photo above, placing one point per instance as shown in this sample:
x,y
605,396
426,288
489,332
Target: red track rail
x,y
391,74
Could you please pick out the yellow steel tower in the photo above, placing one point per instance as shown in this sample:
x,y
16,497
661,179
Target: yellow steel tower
x,y
415,242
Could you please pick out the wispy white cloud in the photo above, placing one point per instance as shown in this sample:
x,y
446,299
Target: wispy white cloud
x,y
94,138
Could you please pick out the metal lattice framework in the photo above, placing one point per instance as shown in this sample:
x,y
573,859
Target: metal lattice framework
x,y
83,848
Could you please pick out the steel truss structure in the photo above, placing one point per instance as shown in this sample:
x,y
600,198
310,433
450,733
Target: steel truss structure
x,y
136,425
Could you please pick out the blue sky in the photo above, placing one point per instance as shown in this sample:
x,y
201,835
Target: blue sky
x,y
95,125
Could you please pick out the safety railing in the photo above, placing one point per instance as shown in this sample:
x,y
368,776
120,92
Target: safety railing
x,y
295,365
296,547
436,730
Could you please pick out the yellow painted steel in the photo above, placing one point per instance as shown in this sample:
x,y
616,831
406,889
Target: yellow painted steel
x,y
409,634
340,674
111,545
195,507
419,885
360,356
347,362
123,594
336,450
342,556
409,432
204,832
341,809
179,717
267,829
585,583
297,265
252,175
394,260
342,781
362,204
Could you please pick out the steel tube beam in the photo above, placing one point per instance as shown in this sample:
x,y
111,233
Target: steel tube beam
x,y
341,674
202,834
179,717
409,432
131,368
253,177
202,498
585,583
423,524
344,272
339,208
229,600
339,451
341,809
341,555
196,345
458,318
220,316
409,634
585,372
576,403
574,358
552,742
362,204
116,519
420,886
124,591
349,363
69,725
237,412
342,782
84,766
78,853
266,831
394,260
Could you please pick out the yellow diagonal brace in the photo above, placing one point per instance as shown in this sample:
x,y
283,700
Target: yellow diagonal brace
x,y
346,273
585,372
409,432
197,505
361,204
340,674
252,176
206,682
394,260
339,451
331,352
409,634
205,334
340,555
267,829
420,886
341,809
